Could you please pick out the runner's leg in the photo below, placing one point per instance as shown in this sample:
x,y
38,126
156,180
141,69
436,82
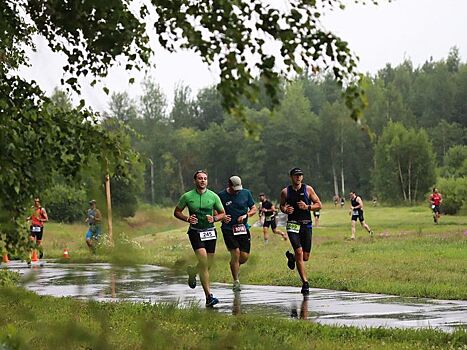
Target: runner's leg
x,y
203,269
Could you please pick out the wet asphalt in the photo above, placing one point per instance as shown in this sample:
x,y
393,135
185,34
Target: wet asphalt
x,y
147,283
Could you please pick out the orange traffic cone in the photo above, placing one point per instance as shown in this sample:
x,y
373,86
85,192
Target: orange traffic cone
x,y
34,256
5,259
65,254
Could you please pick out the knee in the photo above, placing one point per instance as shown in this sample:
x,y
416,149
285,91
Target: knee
x,y
306,256
243,258
299,254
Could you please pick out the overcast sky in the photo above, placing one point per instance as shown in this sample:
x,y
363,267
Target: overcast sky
x,y
387,33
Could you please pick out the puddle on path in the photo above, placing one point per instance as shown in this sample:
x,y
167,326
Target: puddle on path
x,y
158,284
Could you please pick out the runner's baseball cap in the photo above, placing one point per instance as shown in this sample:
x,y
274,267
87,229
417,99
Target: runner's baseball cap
x,y
92,201
236,183
295,171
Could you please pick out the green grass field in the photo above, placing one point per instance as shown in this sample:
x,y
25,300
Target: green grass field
x,y
408,255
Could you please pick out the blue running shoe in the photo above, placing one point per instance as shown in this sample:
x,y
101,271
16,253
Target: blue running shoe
x,y
211,301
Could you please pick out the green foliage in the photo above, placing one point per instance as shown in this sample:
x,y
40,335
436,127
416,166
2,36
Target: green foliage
x,y
404,164
454,191
65,203
455,162
9,278
124,201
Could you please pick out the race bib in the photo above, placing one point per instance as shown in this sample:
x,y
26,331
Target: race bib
x,y
239,229
36,229
293,227
208,234
355,212
268,218
433,206
317,213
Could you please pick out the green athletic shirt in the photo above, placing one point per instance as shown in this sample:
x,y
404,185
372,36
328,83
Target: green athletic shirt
x,y
201,205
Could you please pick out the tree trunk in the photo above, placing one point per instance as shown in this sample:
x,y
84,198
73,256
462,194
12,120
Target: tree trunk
x,y
409,171
342,181
336,188
342,162
401,180
180,176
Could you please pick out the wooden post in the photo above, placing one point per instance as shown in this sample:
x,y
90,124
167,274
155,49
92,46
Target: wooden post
x,y
109,207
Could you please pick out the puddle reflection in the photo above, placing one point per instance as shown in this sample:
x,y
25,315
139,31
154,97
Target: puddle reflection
x,y
154,284
303,309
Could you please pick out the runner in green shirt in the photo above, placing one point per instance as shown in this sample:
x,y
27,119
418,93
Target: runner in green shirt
x,y
201,203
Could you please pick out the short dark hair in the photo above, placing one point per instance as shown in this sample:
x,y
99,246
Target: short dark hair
x,y
199,172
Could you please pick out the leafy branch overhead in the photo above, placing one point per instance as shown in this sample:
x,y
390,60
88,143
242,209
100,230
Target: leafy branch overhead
x,y
245,39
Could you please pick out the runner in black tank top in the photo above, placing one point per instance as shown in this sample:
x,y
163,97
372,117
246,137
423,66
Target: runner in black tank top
x,y
297,201
356,210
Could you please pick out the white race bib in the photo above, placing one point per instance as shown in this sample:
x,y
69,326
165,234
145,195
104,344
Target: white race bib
x,y
293,227
355,212
268,218
208,234
239,229
36,229
433,206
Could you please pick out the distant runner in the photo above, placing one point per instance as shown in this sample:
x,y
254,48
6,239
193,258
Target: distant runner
x,y
36,230
268,211
94,219
297,201
316,215
201,203
435,200
356,210
239,205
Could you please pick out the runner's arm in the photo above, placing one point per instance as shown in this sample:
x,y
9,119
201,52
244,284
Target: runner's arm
x,y
98,217
45,217
283,204
314,198
360,204
178,213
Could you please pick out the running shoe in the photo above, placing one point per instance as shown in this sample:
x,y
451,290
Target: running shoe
x,y
41,254
236,286
191,270
211,301
371,233
290,260
305,288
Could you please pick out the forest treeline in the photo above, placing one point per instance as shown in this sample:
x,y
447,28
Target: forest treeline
x,y
411,137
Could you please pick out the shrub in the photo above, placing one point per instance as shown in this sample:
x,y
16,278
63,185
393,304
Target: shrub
x,y
454,192
65,203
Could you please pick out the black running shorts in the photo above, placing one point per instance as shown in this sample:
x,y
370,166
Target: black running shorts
x,y
271,222
36,232
197,243
358,216
242,242
302,239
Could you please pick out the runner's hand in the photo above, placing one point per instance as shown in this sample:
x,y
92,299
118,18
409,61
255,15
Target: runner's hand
x,y
210,218
241,218
227,219
288,209
302,205
193,219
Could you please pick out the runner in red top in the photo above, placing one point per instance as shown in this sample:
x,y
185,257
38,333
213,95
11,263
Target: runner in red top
x,y
435,200
37,218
